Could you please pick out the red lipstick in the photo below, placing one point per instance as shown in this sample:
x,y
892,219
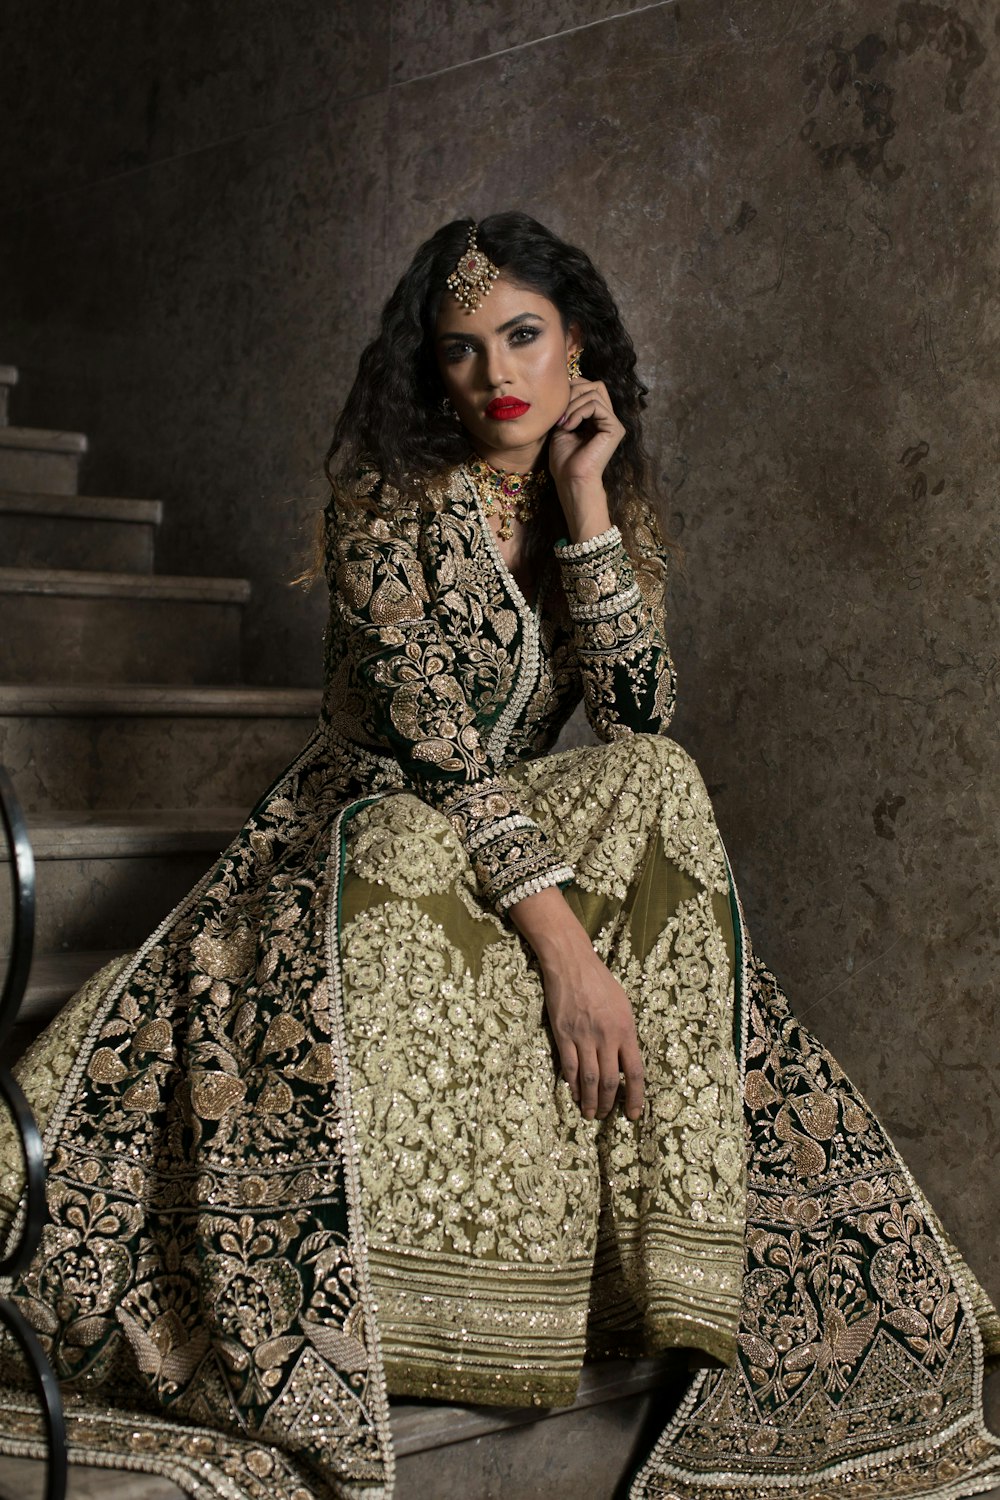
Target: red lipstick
x,y
505,408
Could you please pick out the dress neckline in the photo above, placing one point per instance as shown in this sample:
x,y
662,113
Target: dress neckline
x,y
528,612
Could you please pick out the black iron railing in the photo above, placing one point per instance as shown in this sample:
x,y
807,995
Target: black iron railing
x,y
18,1256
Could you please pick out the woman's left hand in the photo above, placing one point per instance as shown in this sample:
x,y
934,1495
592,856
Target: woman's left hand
x,y
580,447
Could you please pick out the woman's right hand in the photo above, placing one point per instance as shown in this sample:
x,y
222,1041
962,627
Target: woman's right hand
x,y
589,1012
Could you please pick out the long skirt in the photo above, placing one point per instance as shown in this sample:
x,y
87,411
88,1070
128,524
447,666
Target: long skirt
x,y
311,1147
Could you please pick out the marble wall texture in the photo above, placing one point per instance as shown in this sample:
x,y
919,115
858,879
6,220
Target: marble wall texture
x,y
797,207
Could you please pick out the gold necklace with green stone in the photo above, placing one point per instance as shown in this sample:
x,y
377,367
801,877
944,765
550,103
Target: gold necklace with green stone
x,y
512,496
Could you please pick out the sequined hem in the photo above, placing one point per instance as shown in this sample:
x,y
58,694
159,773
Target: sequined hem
x,y
962,1463
492,1332
407,1377
204,1463
671,1284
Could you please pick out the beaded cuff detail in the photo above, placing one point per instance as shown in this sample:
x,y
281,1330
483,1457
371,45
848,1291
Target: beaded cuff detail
x,y
608,609
508,851
531,887
506,825
628,677
568,551
600,585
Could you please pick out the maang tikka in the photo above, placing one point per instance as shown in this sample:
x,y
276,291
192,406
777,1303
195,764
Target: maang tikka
x,y
473,277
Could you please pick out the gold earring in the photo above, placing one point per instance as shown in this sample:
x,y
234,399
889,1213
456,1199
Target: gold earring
x,y
573,365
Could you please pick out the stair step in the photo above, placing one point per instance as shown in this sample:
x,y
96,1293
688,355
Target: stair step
x,y
105,880
107,745
156,700
24,1479
81,583
81,507
54,979
43,440
8,377
77,531
124,835
35,458
420,1426
111,627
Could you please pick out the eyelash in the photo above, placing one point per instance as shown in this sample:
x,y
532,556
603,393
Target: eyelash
x,y
457,352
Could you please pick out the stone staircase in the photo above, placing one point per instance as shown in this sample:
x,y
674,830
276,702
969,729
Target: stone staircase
x,y
132,747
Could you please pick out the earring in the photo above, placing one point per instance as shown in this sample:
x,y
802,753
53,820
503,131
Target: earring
x,y
573,365
447,410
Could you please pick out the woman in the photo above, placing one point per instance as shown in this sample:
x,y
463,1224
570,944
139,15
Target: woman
x,y
458,1066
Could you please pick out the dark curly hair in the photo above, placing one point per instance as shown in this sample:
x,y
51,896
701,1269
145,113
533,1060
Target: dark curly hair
x,y
394,421
393,418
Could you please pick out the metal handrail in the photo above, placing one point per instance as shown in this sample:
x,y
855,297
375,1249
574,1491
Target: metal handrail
x,y
18,1258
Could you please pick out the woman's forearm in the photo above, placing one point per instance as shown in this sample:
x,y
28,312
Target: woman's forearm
x,y
548,925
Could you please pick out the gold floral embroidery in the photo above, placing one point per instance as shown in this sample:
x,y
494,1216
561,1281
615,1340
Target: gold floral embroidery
x,y
200,1126
399,842
603,831
857,1344
199,1255
626,669
434,659
474,1151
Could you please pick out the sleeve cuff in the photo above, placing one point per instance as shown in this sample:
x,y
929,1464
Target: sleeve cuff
x,y
508,851
600,583
569,551
560,875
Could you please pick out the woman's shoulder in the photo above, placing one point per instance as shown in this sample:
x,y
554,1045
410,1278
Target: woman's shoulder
x,y
364,488
364,502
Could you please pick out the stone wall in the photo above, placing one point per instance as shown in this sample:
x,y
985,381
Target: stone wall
x,y
796,205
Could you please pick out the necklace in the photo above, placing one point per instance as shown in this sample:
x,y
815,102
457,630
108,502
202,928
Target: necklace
x,y
512,495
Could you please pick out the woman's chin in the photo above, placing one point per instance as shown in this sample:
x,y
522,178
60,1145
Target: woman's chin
x,y
511,437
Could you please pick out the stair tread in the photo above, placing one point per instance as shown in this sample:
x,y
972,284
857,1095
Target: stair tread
x,y
86,1482
82,583
81,507
101,834
43,439
419,1425
55,976
112,700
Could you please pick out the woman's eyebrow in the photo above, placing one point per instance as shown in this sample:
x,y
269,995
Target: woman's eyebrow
x,y
504,327
471,338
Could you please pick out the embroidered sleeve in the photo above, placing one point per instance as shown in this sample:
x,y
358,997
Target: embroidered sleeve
x,y
412,702
618,627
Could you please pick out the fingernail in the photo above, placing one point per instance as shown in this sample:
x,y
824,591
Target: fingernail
x,y
563,419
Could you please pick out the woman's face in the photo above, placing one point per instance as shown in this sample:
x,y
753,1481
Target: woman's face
x,y
504,369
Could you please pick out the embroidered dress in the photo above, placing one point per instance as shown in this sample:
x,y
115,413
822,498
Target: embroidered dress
x,y
308,1145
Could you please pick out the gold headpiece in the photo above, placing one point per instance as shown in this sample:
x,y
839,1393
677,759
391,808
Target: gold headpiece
x,y
474,275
